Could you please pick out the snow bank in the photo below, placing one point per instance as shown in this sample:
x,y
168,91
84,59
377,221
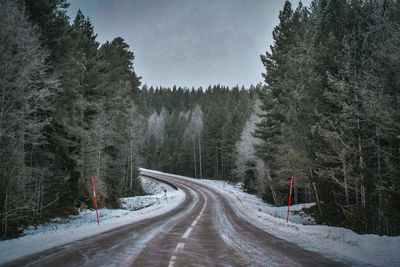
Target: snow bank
x,y
336,242
63,231
156,196
297,215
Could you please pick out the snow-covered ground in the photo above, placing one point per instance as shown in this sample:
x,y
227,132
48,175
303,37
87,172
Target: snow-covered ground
x,y
296,215
62,231
156,196
334,241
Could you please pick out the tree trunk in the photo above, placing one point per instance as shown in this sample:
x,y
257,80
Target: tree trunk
x,y
194,158
360,152
200,167
131,168
380,230
38,200
216,163
125,174
81,112
5,212
316,194
362,186
357,191
346,189
222,162
272,187
317,198
41,201
81,96
380,213
3,98
98,161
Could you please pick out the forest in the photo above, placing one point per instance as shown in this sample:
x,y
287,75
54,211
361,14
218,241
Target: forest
x,y
327,113
331,111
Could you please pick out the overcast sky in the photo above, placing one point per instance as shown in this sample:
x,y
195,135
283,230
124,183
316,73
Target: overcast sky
x,y
189,42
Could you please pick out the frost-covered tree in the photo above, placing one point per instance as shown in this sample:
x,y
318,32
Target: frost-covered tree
x,y
155,137
250,168
245,146
156,126
136,139
99,130
330,112
193,132
26,89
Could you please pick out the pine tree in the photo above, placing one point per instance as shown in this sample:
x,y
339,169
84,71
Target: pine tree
x,y
121,89
275,101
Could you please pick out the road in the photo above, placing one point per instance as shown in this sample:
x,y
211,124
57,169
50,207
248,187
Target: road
x,y
203,231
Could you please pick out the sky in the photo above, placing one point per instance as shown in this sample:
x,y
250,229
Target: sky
x,y
189,43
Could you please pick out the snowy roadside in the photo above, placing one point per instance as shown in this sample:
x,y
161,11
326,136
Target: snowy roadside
x,y
63,231
336,242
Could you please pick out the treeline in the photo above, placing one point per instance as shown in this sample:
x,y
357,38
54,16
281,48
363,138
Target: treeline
x,y
72,109
194,132
68,111
331,113
328,114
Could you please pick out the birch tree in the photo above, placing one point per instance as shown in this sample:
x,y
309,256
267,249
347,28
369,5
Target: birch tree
x,y
193,132
155,133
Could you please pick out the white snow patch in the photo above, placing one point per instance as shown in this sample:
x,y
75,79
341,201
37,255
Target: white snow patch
x,y
152,186
296,214
63,231
335,242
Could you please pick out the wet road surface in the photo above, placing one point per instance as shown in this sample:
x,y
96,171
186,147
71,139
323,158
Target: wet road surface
x,y
203,231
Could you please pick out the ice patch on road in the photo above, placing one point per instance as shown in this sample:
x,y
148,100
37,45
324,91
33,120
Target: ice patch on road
x,y
63,231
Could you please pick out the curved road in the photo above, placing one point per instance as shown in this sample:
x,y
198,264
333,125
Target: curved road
x,y
203,231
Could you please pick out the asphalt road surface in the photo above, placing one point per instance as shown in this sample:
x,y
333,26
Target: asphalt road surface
x,y
203,231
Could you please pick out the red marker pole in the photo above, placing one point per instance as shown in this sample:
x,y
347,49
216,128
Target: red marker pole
x,y
290,196
95,201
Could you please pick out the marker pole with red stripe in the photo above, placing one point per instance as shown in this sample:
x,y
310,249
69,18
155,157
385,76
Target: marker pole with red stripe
x,y
290,196
95,201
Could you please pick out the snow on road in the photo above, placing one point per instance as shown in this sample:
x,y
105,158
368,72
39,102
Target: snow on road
x,y
63,231
336,242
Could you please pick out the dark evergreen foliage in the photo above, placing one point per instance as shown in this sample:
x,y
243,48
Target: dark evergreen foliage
x,y
330,109
79,100
329,115
176,143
